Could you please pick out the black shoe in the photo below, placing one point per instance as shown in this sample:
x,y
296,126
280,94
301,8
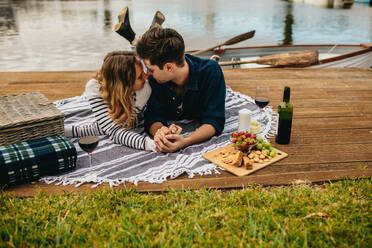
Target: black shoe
x,y
123,27
157,20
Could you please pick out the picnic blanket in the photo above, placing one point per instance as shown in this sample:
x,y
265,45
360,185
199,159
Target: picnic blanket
x,y
116,164
27,161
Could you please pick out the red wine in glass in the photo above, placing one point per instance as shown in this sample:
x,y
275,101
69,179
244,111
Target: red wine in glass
x,y
261,102
261,99
88,144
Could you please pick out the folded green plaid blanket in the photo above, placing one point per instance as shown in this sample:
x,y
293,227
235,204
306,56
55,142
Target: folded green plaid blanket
x,y
27,161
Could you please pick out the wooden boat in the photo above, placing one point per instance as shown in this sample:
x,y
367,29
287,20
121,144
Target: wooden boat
x,y
330,55
363,1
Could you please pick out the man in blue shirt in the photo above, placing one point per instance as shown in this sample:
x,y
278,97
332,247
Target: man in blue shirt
x,y
183,87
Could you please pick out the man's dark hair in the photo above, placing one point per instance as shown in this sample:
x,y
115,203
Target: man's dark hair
x,y
161,46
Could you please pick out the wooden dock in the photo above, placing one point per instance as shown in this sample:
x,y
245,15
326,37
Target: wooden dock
x,y
331,133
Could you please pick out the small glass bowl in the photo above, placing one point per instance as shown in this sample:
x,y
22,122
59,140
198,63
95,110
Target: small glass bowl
x,y
246,149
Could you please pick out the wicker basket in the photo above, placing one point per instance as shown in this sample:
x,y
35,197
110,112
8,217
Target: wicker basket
x,y
28,116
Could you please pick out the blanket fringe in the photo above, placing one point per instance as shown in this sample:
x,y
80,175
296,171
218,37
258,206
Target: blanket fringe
x,y
208,169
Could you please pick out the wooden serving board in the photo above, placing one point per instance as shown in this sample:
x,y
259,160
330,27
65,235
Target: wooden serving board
x,y
215,157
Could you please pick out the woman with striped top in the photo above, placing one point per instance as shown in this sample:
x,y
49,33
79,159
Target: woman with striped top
x,y
117,96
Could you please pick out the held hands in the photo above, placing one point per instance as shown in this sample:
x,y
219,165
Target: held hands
x,y
168,139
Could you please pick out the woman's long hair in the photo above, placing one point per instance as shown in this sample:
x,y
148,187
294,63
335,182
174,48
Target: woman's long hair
x,y
117,77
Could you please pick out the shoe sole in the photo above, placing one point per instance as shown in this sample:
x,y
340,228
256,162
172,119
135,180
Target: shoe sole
x,y
121,18
158,19
117,27
122,14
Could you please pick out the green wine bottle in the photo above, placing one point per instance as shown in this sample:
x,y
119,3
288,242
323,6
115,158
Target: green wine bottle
x,y
285,111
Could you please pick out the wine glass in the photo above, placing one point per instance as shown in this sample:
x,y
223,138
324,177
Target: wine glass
x,y
89,142
261,99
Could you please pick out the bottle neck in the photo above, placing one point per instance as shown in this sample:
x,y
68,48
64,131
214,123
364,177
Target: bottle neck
x,y
286,94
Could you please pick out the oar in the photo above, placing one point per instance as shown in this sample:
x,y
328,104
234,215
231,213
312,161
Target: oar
x,y
297,58
231,41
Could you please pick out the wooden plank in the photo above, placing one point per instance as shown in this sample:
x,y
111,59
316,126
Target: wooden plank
x,y
268,180
52,84
33,189
331,123
330,137
279,169
363,93
334,111
324,153
327,111
309,103
311,75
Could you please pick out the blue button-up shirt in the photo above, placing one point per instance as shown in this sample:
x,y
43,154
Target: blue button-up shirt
x,y
203,99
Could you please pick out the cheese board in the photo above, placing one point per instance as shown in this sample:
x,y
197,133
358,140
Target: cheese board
x,y
216,157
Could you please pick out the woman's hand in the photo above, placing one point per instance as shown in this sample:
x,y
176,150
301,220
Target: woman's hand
x,y
159,138
175,129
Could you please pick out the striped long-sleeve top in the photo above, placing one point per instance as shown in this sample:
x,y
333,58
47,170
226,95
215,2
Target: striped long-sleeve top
x,y
106,126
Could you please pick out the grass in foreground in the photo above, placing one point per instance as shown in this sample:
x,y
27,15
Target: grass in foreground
x,y
336,214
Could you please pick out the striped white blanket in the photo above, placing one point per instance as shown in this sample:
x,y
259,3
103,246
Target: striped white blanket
x,y
116,164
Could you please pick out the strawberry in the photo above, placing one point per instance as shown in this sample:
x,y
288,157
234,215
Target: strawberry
x,y
253,136
248,134
241,133
233,140
234,135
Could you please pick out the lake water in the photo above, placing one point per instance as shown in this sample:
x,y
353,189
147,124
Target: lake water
x,y
52,35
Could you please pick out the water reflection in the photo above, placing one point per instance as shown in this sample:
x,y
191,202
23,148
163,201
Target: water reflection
x,y
209,16
76,35
107,20
8,24
288,24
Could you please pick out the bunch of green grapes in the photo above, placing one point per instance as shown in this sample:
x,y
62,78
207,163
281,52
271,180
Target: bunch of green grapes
x,y
262,145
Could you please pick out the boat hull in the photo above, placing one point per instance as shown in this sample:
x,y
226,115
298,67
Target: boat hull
x,y
330,55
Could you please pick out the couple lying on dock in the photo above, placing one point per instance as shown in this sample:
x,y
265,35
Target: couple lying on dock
x,y
157,84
